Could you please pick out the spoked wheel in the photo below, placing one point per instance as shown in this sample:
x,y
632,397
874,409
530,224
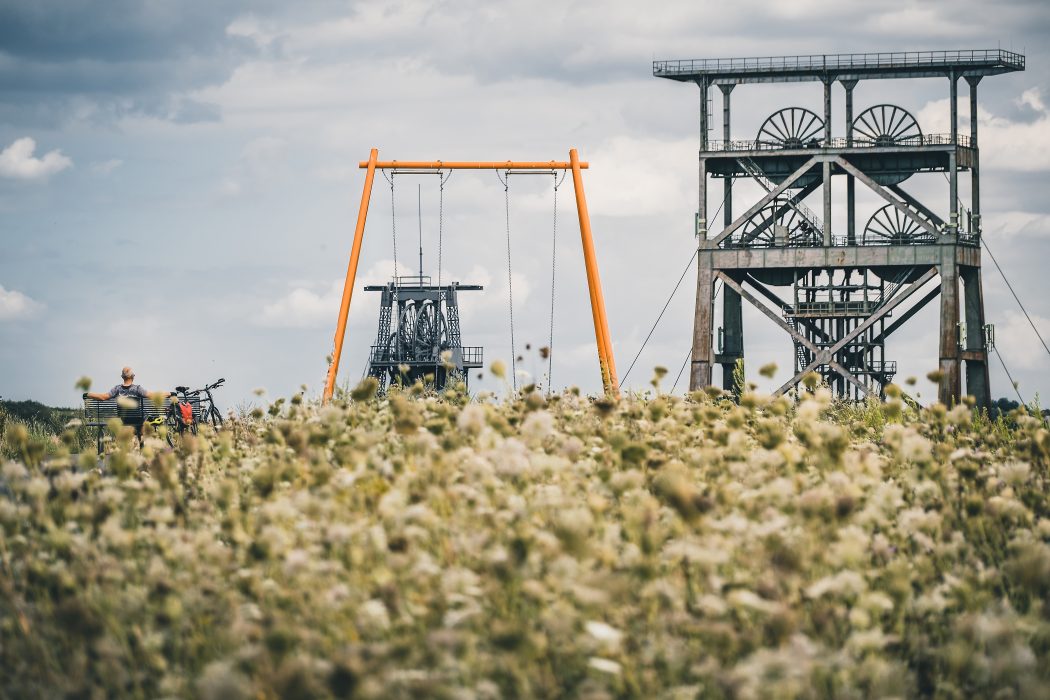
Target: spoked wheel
x,y
887,125
890,226
763,230
791,127
431,332
404,338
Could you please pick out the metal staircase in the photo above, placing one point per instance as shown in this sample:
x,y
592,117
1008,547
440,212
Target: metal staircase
x,y
801,209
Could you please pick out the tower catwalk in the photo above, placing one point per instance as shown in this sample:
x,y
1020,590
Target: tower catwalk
x,y
840,296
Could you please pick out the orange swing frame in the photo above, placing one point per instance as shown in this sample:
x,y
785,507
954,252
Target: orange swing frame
x,y
594,285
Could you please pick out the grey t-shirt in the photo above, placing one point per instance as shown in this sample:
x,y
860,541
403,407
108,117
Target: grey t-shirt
x,y
132,391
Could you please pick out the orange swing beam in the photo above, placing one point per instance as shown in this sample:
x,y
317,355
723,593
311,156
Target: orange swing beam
x,y
610,382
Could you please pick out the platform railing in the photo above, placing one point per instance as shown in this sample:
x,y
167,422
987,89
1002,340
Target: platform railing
x,y
893,59
841,142
840,241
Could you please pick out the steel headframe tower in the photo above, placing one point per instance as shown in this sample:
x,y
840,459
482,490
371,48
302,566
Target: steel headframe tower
x,y
841,290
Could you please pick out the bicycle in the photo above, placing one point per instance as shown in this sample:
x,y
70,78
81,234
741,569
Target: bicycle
x,y
209,411
176,425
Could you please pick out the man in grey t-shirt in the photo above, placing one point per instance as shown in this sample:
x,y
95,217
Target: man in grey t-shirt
x,y
128,388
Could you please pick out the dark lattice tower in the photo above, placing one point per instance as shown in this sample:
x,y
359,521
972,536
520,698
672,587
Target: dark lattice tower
x,y
419,337
835,294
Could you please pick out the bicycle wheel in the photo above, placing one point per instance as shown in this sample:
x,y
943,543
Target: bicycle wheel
x,y
216,417
177,431
174,432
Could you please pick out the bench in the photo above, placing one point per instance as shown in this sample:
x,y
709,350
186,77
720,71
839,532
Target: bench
x,y
97,414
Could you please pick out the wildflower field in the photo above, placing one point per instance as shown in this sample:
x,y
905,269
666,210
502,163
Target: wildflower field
x,y
441,546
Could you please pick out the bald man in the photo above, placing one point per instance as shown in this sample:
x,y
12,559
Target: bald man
x,y
127,388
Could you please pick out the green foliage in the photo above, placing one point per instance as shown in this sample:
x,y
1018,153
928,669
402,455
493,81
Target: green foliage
x,y
425,545
739,380
46,427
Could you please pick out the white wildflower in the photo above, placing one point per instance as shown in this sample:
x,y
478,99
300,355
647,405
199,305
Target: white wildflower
x,y
609,666
538,426
606,634
1015,472
373,616
845,582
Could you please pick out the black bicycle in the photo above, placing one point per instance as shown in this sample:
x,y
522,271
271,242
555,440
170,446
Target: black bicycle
x,y
178,418
209,411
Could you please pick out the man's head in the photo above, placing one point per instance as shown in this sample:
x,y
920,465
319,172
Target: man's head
x,y
127,374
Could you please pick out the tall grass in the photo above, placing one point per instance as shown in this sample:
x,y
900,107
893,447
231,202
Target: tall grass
x,y
564,546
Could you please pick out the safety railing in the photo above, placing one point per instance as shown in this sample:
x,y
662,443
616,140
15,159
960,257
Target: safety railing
x,y
843,61
736,241
473,355
874,367
842,142
833,308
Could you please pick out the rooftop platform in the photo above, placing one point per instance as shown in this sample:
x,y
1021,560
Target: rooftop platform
x,y
842,66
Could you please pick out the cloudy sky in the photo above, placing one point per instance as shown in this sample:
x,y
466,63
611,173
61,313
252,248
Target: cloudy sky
x,y
179,181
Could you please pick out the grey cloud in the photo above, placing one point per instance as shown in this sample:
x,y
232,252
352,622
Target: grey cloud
x,y
99,61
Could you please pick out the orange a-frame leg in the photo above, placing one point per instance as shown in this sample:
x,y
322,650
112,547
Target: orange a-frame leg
x,y
351,275
594,284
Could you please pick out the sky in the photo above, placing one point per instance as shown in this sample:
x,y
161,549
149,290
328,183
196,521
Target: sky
x,y
179,179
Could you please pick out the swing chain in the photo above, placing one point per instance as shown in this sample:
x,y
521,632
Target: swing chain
x,y
510,284
393,223
441,218
554,253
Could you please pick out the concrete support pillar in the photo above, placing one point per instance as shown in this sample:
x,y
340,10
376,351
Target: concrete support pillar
x,y
701,202
977,384
953,93
703,320
851,192
827,113
826,170
975,171
704,90
732,311
953,195
953,173
950,388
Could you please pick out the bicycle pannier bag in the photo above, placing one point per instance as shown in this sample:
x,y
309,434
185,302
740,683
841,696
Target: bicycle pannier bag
x,y
184,412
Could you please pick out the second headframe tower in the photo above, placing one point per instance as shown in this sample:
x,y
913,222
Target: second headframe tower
x,y
835,292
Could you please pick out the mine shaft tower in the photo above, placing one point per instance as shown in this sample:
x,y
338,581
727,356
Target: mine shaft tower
x,y
419,337
834,293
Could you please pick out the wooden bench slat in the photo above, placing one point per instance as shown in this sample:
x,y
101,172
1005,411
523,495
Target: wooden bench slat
x,y
98,413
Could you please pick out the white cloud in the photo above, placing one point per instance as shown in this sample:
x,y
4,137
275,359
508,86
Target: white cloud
x,y
105,167
303,307
228,188
15,304
1018,343
1003,225
640,177
17,161
1005,144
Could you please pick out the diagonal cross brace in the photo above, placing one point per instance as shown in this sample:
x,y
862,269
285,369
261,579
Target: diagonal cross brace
x,y
793,203
881,191
919,206
735,286
779,190
757,286
825,355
